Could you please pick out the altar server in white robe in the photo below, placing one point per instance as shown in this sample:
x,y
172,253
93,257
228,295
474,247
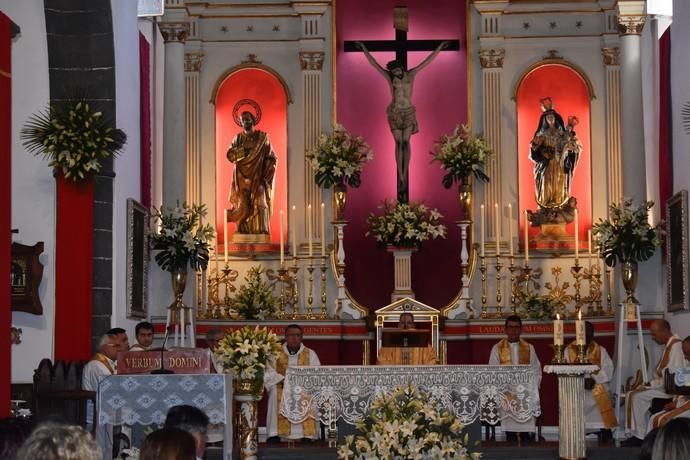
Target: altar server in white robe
x,y
599,414
514,350
294,354
638,401
680,406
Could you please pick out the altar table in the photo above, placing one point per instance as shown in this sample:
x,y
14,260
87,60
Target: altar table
x,y
145,399
471,392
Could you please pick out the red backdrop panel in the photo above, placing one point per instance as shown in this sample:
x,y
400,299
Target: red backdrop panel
x,y
267,91
73,269
440,95
5,211
570,97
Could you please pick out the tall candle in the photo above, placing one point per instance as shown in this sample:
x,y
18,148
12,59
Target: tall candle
x,y
577,237
282,242
579,329
225,234
293,231
498,229
526,238
510,228
589,251
482,219
323,230
558,330
309,232
217,254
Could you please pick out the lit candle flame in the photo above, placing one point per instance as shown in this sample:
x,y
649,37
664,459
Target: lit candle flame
x,y
579,314
558,316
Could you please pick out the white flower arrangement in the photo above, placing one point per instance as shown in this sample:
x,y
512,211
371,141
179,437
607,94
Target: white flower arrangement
x,y
74,136
246,352
255,299
627,234
405,224
407,424
181,238
339,158
462,155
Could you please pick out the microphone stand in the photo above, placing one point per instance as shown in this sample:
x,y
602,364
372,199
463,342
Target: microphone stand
x,y
162,369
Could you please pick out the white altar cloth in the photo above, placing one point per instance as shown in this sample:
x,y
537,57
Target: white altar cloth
x,y
145,399
328,393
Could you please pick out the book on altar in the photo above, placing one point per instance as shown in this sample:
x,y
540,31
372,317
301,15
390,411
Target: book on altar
x,y
404,338
179,360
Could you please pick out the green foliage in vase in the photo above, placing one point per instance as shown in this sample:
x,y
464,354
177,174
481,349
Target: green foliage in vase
x,y
75,137
627,236
181,238
255,299
407,424
339,158
539,307
462,155
405,224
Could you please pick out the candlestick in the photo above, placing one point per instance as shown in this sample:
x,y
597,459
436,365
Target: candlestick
x,y
498,229
225,234
558,330
510,228
579,329
577,237
293,231
282,243
309,233
323,230
526,238
482,218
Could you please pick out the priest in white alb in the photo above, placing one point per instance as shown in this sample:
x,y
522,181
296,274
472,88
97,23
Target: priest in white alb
x,y
294,353
509,351
679,407
639,400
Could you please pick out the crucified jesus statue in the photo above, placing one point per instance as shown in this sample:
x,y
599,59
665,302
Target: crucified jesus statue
x,y
402,116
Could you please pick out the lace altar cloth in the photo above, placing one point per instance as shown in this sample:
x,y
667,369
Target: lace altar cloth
x,y
484,392
145,399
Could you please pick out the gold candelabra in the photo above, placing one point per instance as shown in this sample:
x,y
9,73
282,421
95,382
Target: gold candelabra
x,y
575,271
558,355
482,269
310,292
512,268
581,358
499,297
294,291
324,308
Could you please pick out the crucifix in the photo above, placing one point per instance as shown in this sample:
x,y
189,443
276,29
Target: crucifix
x,y
402,117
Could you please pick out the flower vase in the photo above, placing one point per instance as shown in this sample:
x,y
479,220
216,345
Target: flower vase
x,y
178,312
402,265
248,393
339,202
629,275
465,197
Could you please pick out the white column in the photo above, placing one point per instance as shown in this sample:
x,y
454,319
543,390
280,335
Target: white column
x,y
629,26
571,411
174,34
311,63
614,184
491,61
402,266
192,67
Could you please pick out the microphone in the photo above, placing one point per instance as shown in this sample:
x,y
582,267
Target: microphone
x,y
162,369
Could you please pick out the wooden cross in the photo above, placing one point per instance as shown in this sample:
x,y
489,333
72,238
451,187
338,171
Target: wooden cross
x,y
401,45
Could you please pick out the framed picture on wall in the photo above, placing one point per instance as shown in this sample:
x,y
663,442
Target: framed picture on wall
x,y
677,252
26,273
137,259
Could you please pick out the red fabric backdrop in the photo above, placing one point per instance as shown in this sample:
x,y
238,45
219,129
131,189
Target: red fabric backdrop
x,y
570,97
5,211
440,95
73,269
264,88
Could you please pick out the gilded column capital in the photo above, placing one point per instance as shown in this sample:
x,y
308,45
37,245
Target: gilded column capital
x,y
311,60
631,25
192,61
491,58
174,31
611,56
